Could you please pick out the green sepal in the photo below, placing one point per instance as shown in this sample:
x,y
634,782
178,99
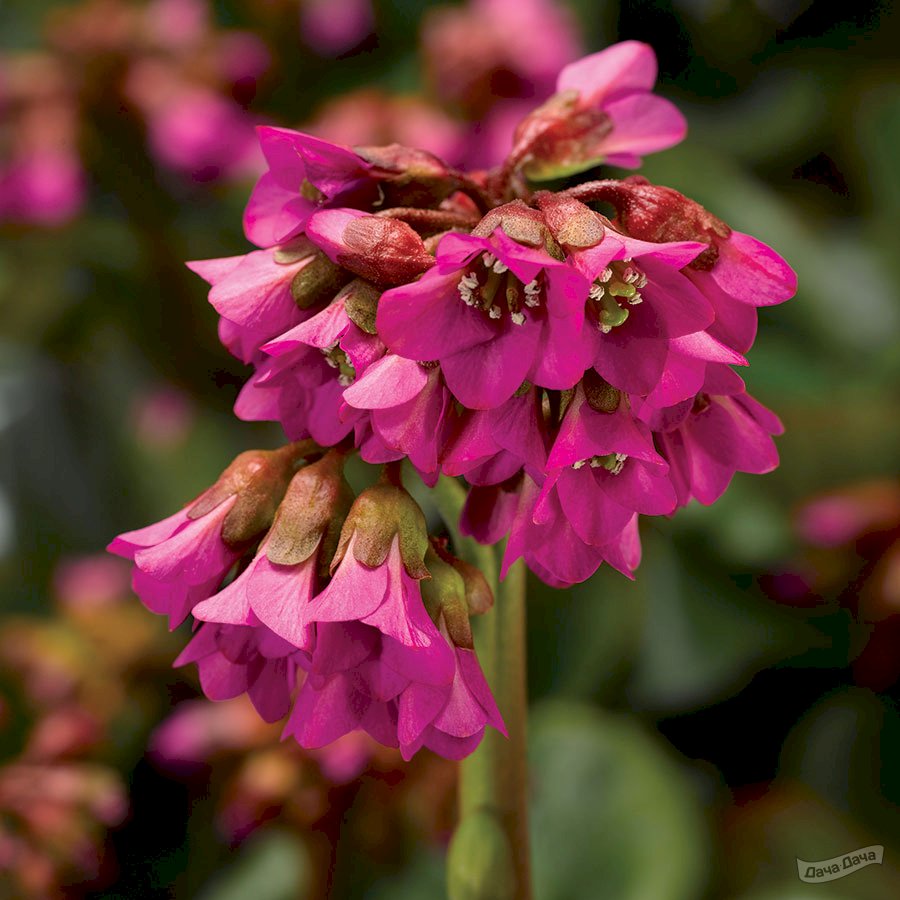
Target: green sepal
x,y
378,514
311,514
361,304
317,281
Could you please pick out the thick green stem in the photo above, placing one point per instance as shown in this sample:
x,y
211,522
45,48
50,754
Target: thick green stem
x,y
496,775
486,863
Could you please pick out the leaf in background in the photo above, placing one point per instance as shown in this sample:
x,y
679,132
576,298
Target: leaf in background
x,y
272,866
613,815
702,641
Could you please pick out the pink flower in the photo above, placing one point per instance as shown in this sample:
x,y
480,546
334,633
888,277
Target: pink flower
x,y
493,312
253,293
410,410
302,383
719,435
449,721
183,559
602,111
45,188
203,134
277,587
240,659
331,27
279,205
178,561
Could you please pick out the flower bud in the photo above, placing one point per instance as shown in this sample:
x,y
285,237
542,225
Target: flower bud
x,y
409,177
382,250
574,225
361,304
655,213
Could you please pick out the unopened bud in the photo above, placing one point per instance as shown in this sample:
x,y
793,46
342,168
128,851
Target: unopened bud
x,y
571,222
651,212
409,177
382,250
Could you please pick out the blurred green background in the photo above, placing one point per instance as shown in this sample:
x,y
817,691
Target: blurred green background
x,y
693,733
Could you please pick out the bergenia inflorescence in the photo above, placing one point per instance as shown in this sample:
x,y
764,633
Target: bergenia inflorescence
x,y
574,369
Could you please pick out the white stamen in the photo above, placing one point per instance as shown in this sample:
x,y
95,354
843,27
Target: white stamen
x,y
500,267
596,292
605,275
580,464
532,288
630,275
620,463
345,380
635,300
489,259
641,282
605,329
518,318
494,312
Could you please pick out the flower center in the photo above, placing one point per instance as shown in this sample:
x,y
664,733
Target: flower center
x,y
338,359
620,280
612,462
493,289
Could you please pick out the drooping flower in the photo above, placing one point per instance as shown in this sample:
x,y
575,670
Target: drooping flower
x,y
183,559
603,111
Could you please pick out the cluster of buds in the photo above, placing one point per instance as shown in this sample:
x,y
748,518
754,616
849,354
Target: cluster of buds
x,y
576,369
340,611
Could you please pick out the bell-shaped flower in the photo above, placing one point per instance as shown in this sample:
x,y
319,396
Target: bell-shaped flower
x,y
183,559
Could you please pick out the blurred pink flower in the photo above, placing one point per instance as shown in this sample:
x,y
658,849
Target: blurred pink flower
x,y
331,27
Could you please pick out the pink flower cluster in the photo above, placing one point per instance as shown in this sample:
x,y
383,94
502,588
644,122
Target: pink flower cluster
x,y
344,615
576,370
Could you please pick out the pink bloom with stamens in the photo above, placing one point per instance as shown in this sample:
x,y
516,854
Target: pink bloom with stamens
x,y
494,313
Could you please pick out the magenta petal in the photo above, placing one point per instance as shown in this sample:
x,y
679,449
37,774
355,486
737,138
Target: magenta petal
x,y
753,272
427,320
638,489
433,665
322,716
270,691
128,543
341,646
471,672
595,518
280,597
631,364
391,381
485,376
355,591
675,306
322,330
643,123
230,605
563,356
626,66
448,746
275,214
417,708
488,513
220,678
381,682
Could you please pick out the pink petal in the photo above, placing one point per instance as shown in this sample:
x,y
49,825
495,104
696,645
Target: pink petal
x,y
626,66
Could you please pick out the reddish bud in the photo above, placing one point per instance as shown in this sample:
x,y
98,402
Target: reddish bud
x,y
382,250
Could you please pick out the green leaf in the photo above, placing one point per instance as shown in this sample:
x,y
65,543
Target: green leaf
x,y
273,866
613,815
